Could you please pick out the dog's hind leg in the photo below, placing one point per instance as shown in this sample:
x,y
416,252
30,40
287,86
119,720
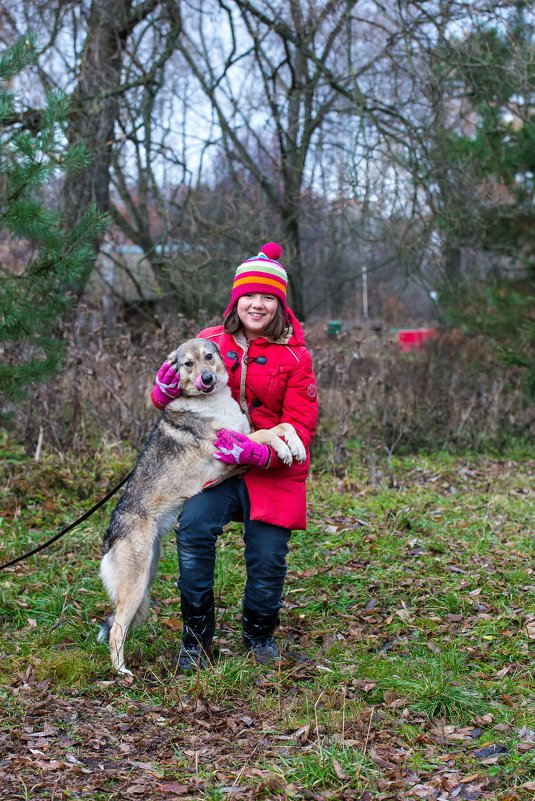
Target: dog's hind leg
x,y
132,605
126,571
141,612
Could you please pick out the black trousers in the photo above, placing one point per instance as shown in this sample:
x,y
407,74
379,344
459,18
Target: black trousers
x,y
266,546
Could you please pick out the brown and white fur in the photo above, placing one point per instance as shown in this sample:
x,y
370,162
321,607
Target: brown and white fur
x,y
176,463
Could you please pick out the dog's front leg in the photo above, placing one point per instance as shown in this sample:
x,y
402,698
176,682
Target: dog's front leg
x,y
267,437
286,451
292,439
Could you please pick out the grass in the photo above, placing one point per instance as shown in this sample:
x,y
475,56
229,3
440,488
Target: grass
x,y
404,632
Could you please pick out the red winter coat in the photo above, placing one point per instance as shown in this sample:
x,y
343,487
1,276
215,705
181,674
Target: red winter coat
x,y
280,390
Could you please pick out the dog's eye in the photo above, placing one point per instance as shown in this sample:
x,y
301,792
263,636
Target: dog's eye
x,y
188,364
209,357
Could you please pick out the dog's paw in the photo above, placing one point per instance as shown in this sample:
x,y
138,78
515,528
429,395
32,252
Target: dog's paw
x,y
297,448
283,452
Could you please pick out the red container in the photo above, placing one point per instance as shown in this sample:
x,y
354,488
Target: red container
x,y
413,338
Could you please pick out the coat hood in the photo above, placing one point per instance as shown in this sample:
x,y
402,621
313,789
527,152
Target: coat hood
x,y
297,337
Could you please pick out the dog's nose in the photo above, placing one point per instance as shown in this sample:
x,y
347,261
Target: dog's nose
x,y
207,378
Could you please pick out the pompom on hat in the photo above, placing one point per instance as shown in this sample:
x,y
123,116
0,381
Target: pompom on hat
x,y
263,273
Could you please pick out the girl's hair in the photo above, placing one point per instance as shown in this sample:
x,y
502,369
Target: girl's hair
x,y
274,331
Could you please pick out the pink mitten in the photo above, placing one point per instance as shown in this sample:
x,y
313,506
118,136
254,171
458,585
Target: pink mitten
x,y
236,448
166,386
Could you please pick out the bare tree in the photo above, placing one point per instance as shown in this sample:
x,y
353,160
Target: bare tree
x,y
222,122
268,92
97,52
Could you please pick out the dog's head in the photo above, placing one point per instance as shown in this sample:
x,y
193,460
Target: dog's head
x,y
200,367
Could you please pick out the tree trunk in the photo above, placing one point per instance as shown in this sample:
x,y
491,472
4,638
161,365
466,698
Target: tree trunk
x,y
295,268
95,105
452,264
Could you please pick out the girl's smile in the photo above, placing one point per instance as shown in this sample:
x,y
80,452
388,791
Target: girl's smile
x,y
256,312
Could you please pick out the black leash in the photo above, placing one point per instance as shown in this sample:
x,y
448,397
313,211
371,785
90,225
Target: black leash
x,y
71,526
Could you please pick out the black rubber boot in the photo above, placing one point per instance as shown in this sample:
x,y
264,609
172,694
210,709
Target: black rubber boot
x,y
198,626
258,635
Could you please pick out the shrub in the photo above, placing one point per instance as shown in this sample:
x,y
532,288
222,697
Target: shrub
x,y
452,394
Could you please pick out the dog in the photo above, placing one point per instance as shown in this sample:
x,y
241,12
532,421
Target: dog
x,y
175,464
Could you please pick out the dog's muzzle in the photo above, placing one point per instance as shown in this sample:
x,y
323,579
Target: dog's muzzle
x,y
206,381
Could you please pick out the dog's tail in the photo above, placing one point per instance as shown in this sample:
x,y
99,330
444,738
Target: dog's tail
x,y
104,633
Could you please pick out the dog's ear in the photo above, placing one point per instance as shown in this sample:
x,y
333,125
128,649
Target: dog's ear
x,y
172,358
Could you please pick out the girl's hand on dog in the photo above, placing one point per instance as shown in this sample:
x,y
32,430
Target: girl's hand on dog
x,y
166,386
235,448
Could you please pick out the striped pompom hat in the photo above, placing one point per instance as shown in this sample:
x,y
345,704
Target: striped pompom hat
x,y
263,273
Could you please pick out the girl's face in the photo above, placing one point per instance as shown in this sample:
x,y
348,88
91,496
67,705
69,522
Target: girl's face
x,y
256,311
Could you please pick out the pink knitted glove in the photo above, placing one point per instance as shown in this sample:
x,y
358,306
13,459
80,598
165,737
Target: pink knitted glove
x,y
236,448
166,386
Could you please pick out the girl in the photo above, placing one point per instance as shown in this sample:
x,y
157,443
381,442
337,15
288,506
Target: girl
x,y
271,377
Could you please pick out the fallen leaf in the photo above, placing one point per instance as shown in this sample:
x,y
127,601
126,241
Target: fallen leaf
x,y
53,764
365,685
172,623
338,769
175,787
404,613
330,530
422,791
355,630
482,720
467,792
490,751
302,733
136,789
